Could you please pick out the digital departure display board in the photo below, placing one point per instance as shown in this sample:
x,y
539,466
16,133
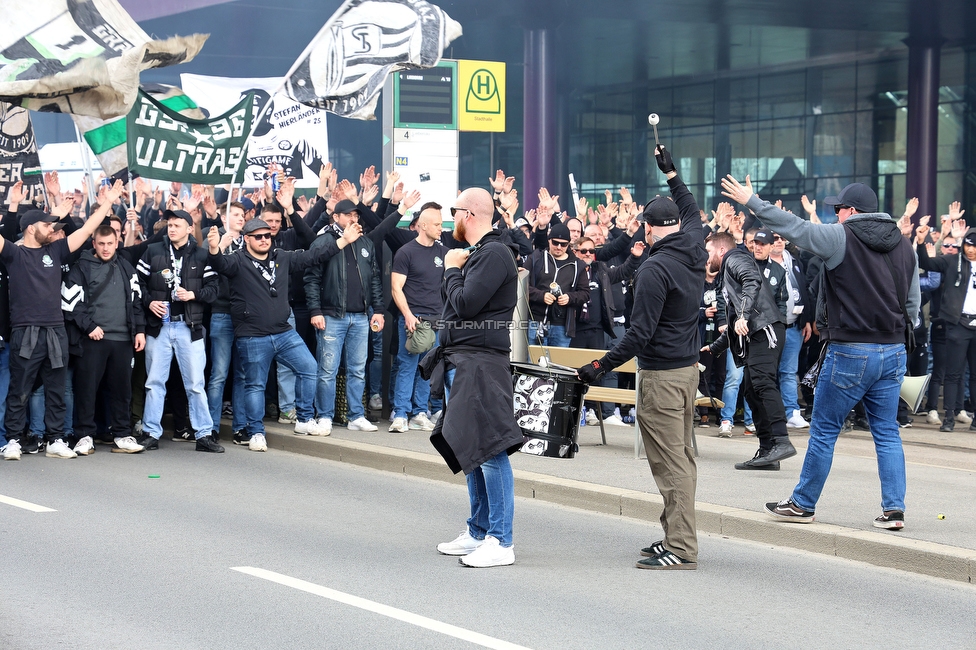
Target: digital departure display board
x,y
426,98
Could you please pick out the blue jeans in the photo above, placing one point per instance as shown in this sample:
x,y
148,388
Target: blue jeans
x,y
376,365
412,392
556,337
788,364
37,404
352,333
4,385
221,353
491,488
286,381
290,350
191,356
853,372
730,394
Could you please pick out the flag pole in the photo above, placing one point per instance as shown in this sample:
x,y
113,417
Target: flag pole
x,y
284,80
88,168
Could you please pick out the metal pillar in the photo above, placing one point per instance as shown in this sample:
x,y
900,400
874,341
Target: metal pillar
x,y
539,123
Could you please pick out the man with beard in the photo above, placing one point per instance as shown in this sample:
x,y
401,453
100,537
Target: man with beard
x,y
664,337
756,334
38,339
478,430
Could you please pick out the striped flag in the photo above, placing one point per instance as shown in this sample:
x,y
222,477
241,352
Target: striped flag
x,y
346,65
107,138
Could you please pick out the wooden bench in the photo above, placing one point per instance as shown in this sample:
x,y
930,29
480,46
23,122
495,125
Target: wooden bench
x,y
576,357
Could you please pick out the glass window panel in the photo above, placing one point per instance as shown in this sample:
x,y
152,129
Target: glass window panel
x,y
782,95
839,91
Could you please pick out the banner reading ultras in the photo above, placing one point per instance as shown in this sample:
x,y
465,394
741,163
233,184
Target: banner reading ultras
x,y
164,145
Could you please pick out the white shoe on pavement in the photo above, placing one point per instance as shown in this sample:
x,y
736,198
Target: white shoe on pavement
x,y
796,421
376,403
305,428
460,545
421,422
963,418
11,451
323,427
58,449
489,554
361,424
725,430
258,443
287,417
614,420
436,416
127,445
85,446
932,417
750,429
591,418
399,425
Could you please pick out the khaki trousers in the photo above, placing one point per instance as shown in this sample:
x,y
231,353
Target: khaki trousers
x,y
667,401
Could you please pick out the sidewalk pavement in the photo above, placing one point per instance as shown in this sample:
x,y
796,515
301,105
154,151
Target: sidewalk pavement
x,y
939,538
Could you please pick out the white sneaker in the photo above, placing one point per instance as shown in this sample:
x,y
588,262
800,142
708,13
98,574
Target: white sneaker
x,y
58,449
460,545
591,418
725,430
963,418
85,446
797,421
305,428
323,427
376,403
399,425
489,554
127,445
422,422
287,417
615,420
361,424
932,417
11,451
258,443
751,428
436,416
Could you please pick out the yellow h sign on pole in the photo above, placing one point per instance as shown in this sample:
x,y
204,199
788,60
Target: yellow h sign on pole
x,y
481,96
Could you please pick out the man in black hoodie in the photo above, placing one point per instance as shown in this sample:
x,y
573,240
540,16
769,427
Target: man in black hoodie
x,y
664,337
478,430
870,290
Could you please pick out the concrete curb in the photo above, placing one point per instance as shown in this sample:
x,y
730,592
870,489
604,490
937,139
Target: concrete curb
x,y
880,549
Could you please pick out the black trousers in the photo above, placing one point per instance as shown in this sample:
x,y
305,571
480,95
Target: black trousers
x,y
960,350
761,386
111,360
23,372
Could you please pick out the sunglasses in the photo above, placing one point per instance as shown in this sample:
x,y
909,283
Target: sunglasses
x,y
584,251
555,242
262,235
956,246
454,211
838,208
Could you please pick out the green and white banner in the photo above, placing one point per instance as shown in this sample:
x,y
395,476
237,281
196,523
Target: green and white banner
x,y
107,137
164,145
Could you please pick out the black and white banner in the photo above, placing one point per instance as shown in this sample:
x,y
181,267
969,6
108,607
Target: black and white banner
x,y
362,43
18,155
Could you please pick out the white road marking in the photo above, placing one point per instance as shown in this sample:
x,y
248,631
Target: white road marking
x,y
377,608
17,503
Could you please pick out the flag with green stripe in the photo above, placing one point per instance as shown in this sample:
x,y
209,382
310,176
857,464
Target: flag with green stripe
x,y
107,137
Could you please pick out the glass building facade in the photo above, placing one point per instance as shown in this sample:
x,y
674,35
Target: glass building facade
x,y
804,96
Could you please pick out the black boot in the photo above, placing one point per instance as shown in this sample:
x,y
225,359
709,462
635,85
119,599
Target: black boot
x,y
948,424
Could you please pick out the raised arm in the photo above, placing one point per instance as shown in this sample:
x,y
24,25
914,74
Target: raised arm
x,y
78,238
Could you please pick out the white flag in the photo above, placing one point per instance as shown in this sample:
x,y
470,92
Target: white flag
x,y
79,56
346,65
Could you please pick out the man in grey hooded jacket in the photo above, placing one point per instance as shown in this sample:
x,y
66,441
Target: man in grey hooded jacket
x,y
870,286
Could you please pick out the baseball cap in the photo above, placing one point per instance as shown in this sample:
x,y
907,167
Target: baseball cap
x,y
970,237
521,223
31,217
856,195
247,203
254,225
344,206
763,236
178,214
660,211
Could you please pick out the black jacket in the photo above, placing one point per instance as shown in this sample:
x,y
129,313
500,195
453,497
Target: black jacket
x,y
253,308
479,300
571,278
608,276
325,283
956,271
76,295
747,295
775,276
197,276
668,286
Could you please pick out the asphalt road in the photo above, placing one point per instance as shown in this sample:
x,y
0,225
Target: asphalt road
x,y
126,561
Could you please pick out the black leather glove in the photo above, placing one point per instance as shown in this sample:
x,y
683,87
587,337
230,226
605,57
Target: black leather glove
x,y
592,372
664,162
